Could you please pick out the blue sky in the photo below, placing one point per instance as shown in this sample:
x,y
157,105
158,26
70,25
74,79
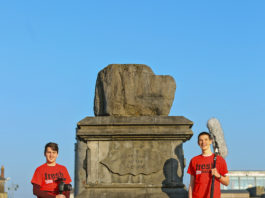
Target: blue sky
x,y
51,52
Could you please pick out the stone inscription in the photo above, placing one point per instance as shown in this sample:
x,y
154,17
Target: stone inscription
x,y
134,158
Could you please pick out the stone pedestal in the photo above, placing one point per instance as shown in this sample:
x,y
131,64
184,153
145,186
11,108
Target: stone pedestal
x,y
131,157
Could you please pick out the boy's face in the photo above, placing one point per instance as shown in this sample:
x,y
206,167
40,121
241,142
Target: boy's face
x,y
204,142
51,155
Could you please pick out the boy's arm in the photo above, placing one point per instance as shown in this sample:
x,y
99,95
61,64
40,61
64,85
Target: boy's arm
x,y
223,179
39,193
191,185
67,194
43,194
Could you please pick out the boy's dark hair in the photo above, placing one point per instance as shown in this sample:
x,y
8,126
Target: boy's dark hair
x,y
205,133
53,146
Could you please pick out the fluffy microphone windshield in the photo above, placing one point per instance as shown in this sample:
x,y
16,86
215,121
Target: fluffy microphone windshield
x,y
217,134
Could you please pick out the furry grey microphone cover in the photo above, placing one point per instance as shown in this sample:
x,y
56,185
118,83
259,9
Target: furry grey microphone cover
x,y
217,134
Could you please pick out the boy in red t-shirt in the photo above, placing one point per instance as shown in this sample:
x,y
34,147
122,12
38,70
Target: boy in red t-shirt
x,y
201,170
45,179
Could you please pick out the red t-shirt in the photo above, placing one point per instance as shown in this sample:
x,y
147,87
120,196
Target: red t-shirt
x,y
200,167
46,177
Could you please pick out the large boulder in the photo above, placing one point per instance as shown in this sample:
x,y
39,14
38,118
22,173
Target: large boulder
x,y
132,90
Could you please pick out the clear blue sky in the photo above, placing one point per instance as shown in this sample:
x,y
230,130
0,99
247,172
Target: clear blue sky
x,y
51,52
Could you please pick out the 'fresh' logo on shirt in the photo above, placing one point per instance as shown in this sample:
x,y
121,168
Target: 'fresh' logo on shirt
x,y
203,168
198,172
48,181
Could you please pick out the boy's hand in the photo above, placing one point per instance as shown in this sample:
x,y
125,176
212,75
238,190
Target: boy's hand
x,y
60,196
215,173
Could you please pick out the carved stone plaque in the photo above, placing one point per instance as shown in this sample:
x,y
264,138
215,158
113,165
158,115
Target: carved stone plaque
x,y
135,158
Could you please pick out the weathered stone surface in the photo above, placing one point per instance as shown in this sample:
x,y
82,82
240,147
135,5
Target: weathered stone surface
x,y
134,158
132,90
81,170
139,156
133,192
134,128
132,148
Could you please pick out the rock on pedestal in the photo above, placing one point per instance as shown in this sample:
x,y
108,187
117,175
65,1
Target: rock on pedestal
x,y
131,157
132,90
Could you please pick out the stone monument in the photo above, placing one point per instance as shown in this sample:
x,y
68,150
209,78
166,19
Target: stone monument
x,y
131,148
3,194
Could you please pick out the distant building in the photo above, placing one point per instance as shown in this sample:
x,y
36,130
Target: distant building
x,y
242,180
3,194
244,184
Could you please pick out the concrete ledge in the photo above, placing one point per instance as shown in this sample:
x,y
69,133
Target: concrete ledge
x,y
136,120
135,185
133,193
135,128
234,194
